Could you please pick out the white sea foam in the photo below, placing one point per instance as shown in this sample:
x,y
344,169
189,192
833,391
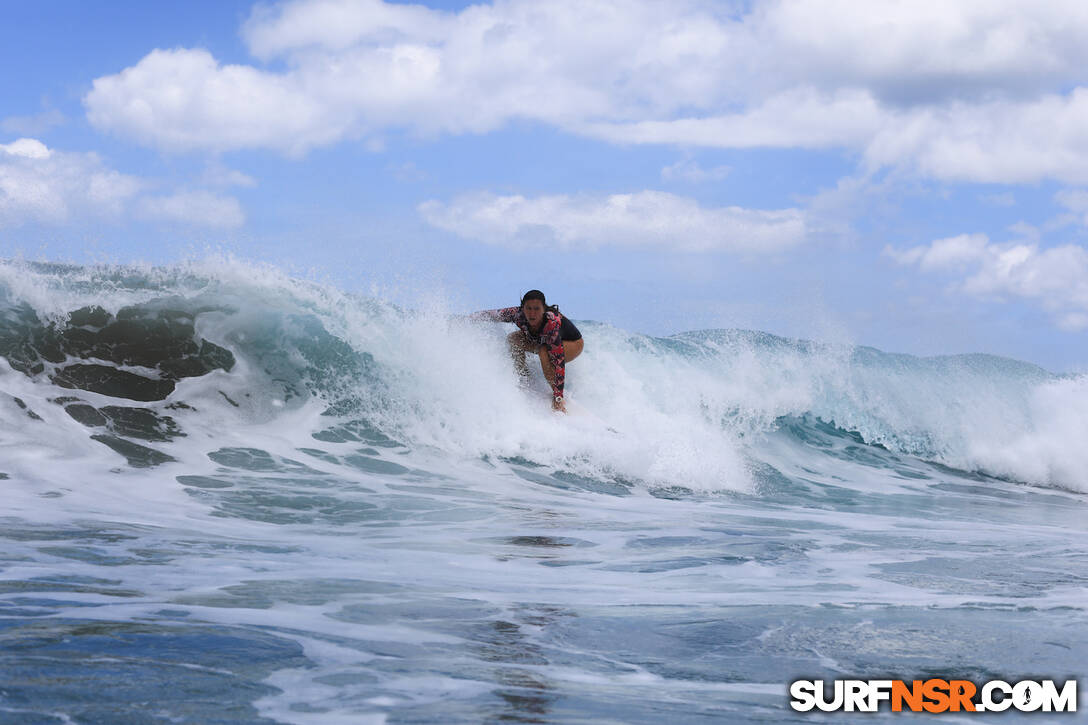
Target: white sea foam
x,y
678,411
703,523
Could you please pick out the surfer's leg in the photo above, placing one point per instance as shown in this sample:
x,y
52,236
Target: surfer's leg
x,y
518,345
571,350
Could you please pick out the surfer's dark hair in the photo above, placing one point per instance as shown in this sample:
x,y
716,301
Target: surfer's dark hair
x,y
535,294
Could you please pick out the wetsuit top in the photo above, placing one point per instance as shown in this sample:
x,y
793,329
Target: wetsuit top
x,y
568,332
553,332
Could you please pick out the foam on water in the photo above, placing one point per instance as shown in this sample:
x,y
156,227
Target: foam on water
x,y
344,511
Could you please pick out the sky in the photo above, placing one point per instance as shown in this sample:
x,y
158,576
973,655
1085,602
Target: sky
x,y
907,175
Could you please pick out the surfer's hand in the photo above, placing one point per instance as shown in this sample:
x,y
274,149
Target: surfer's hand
x,y
558,404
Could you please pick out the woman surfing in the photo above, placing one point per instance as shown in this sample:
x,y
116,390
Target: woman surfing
x,y
544,331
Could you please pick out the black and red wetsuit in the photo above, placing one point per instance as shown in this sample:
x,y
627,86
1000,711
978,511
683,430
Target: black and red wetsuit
x,y
553,332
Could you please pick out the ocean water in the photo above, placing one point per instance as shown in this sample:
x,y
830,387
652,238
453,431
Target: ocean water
x,y
229,496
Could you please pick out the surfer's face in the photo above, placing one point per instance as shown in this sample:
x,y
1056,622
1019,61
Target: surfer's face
x,y
534,312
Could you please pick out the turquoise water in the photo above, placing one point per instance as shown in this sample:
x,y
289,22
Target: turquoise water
x,y
231,496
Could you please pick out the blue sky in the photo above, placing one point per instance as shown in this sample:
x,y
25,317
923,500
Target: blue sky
x,y
912,176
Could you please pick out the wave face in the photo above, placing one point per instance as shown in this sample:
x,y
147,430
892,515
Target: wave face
x,y
129,353
217,452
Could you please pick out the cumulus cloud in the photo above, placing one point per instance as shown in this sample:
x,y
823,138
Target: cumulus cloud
x,y
354,67
978,90
989,141
27,148
184,100
928,50
952,252
338,25
1056,278
43,185
798,118
994,141
643,219
40,184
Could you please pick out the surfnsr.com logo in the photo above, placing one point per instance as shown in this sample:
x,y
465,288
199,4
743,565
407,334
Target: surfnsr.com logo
x,y
934,695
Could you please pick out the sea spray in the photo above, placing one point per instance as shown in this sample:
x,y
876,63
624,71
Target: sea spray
x,y
687,408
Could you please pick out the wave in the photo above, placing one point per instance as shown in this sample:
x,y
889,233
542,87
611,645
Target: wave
x,y
151,363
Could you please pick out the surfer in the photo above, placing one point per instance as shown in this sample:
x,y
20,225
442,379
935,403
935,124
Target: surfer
x,y
542,330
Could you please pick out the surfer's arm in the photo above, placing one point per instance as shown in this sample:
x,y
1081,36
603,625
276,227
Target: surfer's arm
x,y
505,314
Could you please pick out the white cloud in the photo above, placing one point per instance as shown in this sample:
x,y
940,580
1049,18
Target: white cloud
x,y
40,184
184,100
357,67
950,253
643,219
1055,278
689,170
337,25
800,118
29,148
43,185
198,208
976,90
994,141
926,50
990,142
